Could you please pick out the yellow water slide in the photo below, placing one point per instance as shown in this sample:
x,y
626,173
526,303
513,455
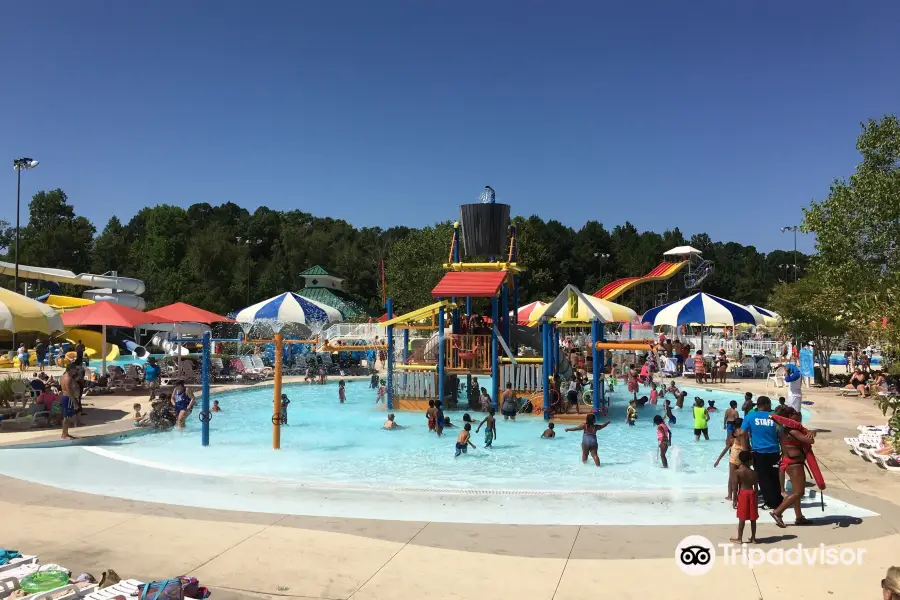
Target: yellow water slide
x,y
92,340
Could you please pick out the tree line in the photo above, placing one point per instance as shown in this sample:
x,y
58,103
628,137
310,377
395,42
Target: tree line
x,y
218,256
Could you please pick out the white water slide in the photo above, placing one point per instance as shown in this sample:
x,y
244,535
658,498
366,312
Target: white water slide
x,y
110,287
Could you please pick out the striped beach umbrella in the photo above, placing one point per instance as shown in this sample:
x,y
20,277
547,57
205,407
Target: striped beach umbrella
x,y
525,311
764,315
701,309
289,308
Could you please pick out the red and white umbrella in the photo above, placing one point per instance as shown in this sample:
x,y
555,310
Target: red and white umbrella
x,y
525,311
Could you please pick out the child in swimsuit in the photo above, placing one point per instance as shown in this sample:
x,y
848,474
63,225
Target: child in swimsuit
x,y
382,392
342,392
549,433
669,415
431,416
735,442
216,407
438,418
284,407
464,440
137,414
654,395
630,414
490,430
664,437
745,498
701,420
589,438
731,414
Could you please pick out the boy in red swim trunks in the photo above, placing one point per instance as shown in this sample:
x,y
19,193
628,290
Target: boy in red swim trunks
x,y
745,498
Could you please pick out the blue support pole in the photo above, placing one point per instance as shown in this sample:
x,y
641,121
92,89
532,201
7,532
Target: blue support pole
x,y
602,354
440,365
454,319
390,355
504,312
204,390
495,353
629,331
545,342
405,354
469,306
597,358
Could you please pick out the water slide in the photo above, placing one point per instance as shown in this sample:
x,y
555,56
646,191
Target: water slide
x,y
121,290
664,270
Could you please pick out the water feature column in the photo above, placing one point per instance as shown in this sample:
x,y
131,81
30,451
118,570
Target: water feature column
x,y
440,365
204,390
597,358
602,364
495,352
405,356
390,355
276,402
504,312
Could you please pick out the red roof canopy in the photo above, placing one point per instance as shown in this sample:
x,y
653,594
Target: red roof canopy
x,y
107,313
181,312
475,284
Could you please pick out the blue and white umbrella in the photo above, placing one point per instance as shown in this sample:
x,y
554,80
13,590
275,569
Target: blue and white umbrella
x,y
702,309
764,315
289,308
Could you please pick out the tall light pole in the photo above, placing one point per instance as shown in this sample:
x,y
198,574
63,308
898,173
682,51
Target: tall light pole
x,y
601,260
793,228
247,242
20,164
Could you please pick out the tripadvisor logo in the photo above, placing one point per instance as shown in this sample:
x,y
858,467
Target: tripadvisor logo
x,y
696,555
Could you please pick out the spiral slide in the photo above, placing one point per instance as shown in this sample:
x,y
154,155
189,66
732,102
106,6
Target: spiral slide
x,y
93,342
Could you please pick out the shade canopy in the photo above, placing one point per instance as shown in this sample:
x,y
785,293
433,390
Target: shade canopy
x,y
110,314
681,251
289,308
573,306
767,316
526,311
18,313
181,312
701,309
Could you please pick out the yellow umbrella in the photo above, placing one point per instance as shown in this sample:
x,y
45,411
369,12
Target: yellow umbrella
x,y
18,313
574,310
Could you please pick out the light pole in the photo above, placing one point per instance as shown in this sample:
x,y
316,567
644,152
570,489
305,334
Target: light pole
x,y
786,272
601,260
20,164
247,242
793,228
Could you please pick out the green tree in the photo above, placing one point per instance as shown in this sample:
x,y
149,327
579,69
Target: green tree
x,y
811,312
110,251
55,237
415,266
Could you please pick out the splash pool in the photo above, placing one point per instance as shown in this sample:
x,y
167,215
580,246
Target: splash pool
x,y
336,460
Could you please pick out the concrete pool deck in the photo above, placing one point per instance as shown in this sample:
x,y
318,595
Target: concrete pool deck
x,y
242,554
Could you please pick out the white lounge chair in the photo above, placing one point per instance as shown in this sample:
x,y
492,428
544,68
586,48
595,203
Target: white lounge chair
x,y
16,563
127,587
688,370
882,461
776,375
260,366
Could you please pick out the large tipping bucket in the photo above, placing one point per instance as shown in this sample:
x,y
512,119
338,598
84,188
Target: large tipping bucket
x,y
484,229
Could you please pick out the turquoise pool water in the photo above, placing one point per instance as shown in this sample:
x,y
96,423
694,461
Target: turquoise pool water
x,y
335,445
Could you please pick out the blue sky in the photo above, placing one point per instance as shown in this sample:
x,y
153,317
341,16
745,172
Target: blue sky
x,y
724,117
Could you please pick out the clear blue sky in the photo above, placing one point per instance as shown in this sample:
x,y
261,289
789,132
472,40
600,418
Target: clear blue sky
x,y
724,117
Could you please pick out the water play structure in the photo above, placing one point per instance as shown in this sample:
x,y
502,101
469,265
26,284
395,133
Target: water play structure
x,y
466,346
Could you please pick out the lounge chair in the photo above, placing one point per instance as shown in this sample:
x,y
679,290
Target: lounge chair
x,y
17,563
20,392
776,375
688,370
250,369
10,578
260,366
885,462
747,368
127,587
238,367
24,421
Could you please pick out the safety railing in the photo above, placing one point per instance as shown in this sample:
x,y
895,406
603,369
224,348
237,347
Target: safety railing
x,y
471,352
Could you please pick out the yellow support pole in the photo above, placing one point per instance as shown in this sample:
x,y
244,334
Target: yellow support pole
x,y
276,405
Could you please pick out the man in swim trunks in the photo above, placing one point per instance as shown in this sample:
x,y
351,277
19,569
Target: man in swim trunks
x,y
70,392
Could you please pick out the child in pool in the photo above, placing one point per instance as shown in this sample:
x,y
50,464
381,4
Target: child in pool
x,y
439,418
391,424
431,416
669,415
589,438
342,392
731,414
654,395
322,377
464,440
711,406
612,380
664,437
549,433
673,389
490,430
485,400
745,498
285,402
382,392
679,399
630,414
137,414
216,407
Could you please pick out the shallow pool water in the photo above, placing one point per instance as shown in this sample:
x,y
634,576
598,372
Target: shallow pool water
x,y
344,445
